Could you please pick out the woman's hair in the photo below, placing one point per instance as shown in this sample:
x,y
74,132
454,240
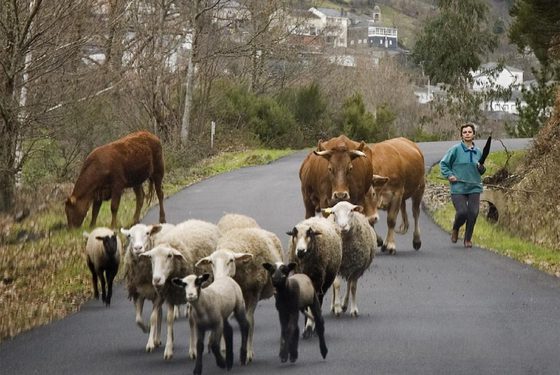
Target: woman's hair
x,y
468,124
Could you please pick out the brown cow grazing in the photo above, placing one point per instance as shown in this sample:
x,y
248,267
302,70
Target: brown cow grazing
x,y
111,168
402,162
339,170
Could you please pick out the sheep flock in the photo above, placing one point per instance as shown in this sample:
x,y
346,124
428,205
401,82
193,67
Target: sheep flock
x,y
219,271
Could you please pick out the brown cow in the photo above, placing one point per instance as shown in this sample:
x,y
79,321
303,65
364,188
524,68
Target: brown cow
x,y
111,168
402,162
339,170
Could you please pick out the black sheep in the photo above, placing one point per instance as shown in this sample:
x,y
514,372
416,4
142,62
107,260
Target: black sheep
x,y
293,294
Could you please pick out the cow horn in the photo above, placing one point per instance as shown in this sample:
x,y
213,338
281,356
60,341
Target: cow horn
x,y
355,153
324,153
320,146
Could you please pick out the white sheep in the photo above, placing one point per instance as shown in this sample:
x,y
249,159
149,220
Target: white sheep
x,y
175,256
359,243
103,250
316,248
234,221
293,294
211,307
240,254
138,271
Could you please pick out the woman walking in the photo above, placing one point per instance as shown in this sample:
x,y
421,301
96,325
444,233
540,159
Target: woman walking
x,y
461,167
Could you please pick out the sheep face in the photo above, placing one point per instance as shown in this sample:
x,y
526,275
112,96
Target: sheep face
x,y
192,285
304,237
279,272
139,237
343,212
109,244
223,262
162,257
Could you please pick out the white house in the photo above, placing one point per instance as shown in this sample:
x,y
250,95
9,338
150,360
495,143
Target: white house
x,y
334,26
488,77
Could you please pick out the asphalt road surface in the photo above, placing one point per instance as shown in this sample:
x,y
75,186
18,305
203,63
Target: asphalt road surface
x,y
441,310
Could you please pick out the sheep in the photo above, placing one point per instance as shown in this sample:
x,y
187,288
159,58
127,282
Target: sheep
x,y
103,249
175,256
359,243
294,293
233,221
138,271
211,308
316,248
240,254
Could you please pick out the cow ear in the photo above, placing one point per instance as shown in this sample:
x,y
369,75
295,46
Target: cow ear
x,y
71,200
319,145
379,181
362,145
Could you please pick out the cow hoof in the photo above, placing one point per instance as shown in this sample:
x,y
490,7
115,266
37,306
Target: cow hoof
x,y
416,245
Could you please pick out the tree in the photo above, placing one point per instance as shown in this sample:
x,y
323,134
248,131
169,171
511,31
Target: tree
x,y
38,39
536,25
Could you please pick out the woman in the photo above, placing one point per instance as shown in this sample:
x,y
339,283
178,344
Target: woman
x,y
461,168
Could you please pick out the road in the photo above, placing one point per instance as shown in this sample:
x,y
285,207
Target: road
x,y
441,310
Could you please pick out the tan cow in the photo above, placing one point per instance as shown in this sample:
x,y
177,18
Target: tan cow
x,y
339,170
402,162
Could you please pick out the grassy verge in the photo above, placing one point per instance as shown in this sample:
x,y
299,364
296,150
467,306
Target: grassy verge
x,y
47,278
493,237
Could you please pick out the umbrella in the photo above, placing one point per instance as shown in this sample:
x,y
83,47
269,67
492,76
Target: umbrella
x,y
485,151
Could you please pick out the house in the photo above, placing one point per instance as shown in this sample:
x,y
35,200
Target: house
x,y
371,32
489,77
428,93
334,25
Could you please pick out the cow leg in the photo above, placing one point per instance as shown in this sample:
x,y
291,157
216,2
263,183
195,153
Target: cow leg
x,y
115,202
95,211
394,206
159,192
416,201
403,228
139,192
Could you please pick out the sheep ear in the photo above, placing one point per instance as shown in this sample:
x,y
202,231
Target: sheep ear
x,y
203,262
85,234
243,257
155,229
202,279
292,233
99,238
124,231
269,267
179,282
326,212
291,266
358,209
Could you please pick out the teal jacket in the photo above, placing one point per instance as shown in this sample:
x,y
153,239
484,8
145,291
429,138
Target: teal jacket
x,y
462,162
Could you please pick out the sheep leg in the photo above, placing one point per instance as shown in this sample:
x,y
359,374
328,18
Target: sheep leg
x,y
139,306
93,279
320,324
110,277
155,319
192,337
228,338
199,351
336,309
168,353
309,324
215,344
241,318
251,320
284,336
347,295
101,277
293,336
353,286
159,322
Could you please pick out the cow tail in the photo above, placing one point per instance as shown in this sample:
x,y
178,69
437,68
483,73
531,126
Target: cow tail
x,y
150,195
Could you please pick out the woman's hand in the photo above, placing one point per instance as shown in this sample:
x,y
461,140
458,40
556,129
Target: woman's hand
x,y
452,179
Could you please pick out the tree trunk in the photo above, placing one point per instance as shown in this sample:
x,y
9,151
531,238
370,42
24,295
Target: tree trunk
x,y
189,88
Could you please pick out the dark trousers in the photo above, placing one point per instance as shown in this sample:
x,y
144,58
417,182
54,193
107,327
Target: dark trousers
x,y
466,211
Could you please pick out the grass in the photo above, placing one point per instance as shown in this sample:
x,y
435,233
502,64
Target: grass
x,y
46,279
493,237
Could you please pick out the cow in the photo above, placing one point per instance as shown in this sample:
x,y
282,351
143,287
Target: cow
x,y
111,168
340,169
399,174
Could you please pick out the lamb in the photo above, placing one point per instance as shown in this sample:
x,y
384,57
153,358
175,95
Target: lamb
x,y
316,248
240,254
359,243
211,308
294,293
103,249
138,270
175,256
233,221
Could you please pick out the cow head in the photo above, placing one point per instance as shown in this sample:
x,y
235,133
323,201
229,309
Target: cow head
x,y
340,170
76,210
